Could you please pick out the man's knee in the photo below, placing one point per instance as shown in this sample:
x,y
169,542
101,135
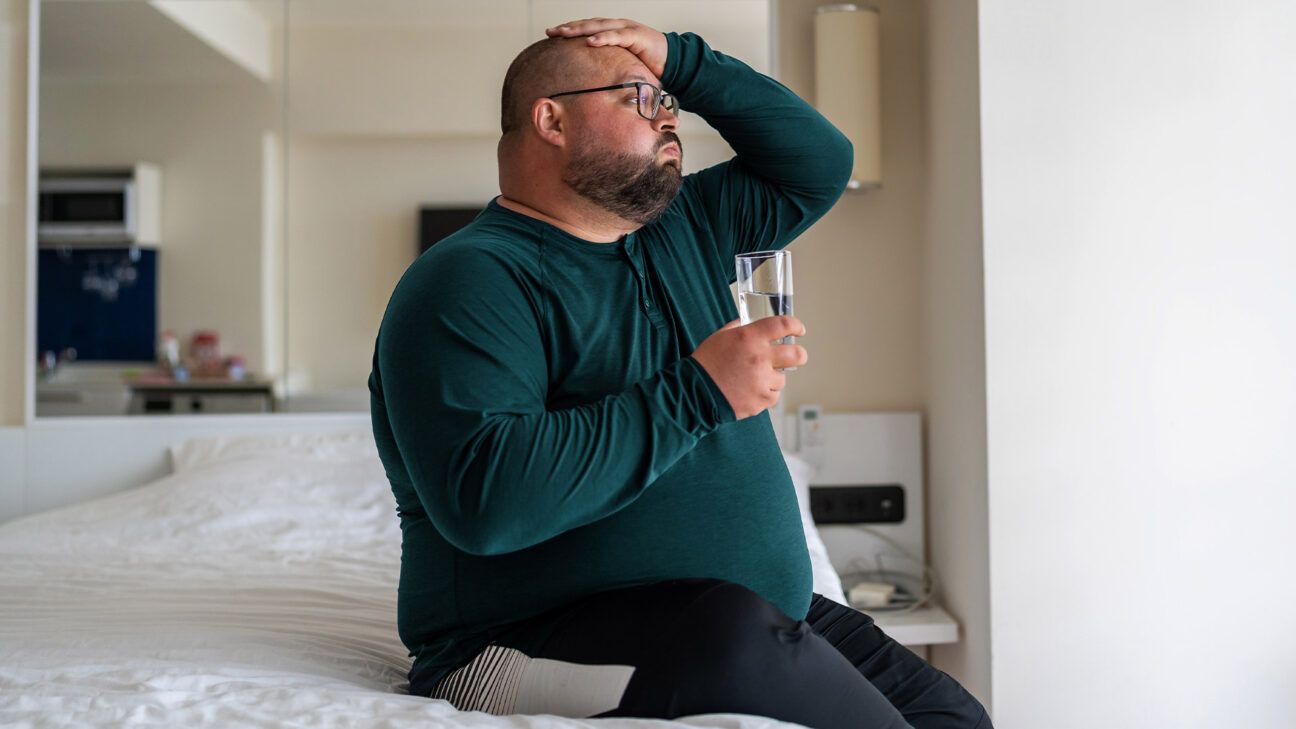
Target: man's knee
x,y
725,611
729,632
734,652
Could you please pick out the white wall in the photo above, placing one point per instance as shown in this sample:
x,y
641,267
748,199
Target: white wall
x,y
1140,256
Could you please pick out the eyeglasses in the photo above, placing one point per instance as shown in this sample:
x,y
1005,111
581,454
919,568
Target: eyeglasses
x,y
649,98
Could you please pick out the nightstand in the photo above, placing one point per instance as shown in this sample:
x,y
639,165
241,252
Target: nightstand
x,y
917,629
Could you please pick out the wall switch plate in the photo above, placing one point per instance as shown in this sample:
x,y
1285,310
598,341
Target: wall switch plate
x,y
811,439
865,504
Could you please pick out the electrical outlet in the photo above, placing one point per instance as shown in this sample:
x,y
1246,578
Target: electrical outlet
x,y
871,504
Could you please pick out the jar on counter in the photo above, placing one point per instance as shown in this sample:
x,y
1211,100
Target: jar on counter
x,y
205,352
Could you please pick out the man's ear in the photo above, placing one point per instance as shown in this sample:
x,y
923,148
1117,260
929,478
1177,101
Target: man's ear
x,y
547,117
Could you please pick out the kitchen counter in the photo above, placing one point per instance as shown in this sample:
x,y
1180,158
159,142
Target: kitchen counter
x,y
138,388
156,393
86,388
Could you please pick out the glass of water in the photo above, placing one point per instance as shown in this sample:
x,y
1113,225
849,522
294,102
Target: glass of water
x,y
765,288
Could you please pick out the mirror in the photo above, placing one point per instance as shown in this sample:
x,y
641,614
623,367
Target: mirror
x,y
160,199
286,161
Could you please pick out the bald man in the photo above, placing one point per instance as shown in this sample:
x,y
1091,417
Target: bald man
x,y
596,517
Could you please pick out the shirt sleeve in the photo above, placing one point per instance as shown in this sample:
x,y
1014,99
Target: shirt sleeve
x,y
791,164
464,377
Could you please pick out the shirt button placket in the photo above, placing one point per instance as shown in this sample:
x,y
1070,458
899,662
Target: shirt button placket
x,y
643,281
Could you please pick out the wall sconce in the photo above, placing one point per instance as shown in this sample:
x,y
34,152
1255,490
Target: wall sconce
x,y
848,83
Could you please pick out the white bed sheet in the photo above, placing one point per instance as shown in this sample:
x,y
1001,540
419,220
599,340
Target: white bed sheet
x,y
254,587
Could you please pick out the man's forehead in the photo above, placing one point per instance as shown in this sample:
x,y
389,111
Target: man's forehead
x,y
635,76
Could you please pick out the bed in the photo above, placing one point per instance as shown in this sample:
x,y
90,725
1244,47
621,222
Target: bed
x,y
253,586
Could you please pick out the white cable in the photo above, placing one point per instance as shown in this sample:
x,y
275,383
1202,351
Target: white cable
x,y
929,579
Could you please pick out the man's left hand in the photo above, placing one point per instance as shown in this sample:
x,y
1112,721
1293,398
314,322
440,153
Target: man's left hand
x,y
647,43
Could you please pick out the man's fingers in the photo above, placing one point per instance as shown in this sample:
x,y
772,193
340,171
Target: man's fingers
x,y
732,325
774,327
606,38
778,382
597,35
789,355
645,42
588,26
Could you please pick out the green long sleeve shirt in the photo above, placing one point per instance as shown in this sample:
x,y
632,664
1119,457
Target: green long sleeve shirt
x,y
536,409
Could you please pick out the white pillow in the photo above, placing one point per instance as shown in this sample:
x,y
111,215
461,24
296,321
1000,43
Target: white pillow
x,y
342,445
358,444
826,580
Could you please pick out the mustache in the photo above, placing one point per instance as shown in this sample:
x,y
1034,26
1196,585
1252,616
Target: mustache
x,y
667,138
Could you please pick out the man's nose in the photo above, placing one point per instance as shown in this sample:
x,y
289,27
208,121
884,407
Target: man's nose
x,y
666,120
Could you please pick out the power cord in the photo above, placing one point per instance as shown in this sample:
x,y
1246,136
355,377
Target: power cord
x,y
902,601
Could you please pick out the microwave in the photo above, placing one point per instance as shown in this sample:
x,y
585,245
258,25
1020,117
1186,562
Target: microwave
x,y
99,208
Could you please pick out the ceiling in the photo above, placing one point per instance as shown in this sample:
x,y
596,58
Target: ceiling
x,y
125,40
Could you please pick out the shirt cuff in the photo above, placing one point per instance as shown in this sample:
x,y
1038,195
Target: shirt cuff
x,y
721,411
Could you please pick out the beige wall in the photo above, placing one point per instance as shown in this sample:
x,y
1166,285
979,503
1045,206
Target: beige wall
x,y
859,269
13,202
954,341
890,288
352,209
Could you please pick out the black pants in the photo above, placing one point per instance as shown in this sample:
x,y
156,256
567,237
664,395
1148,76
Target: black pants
x,y
688,647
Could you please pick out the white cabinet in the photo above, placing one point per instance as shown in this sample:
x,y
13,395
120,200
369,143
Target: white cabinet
x,y
84,399
85,388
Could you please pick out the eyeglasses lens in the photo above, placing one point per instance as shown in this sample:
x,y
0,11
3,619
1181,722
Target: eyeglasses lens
x,y
651,99
647,101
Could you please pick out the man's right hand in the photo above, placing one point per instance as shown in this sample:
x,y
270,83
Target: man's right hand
x,y
744,364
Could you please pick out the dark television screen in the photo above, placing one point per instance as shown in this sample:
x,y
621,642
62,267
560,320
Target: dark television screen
x,y
437,223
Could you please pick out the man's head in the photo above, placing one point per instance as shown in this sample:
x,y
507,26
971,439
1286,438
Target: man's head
x,y
596,144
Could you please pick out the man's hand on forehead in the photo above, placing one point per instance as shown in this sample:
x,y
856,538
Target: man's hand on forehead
x,y
648,44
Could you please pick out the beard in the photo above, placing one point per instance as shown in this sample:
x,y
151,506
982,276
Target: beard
x,y
637,188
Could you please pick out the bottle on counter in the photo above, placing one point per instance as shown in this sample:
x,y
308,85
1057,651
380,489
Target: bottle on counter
x,y
235,367
168,352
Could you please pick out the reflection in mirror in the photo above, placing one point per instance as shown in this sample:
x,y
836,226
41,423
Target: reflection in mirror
x,y
159,233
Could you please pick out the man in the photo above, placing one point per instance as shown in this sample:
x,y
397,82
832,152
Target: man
x,y
596,517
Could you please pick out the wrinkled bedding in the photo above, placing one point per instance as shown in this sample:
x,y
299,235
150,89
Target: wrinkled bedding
x,y
255,586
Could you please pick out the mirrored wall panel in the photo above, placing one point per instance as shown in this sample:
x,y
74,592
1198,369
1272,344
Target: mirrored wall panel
x,y
159,233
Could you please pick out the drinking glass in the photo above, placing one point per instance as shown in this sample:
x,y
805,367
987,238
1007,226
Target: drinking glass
x,y
765,288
